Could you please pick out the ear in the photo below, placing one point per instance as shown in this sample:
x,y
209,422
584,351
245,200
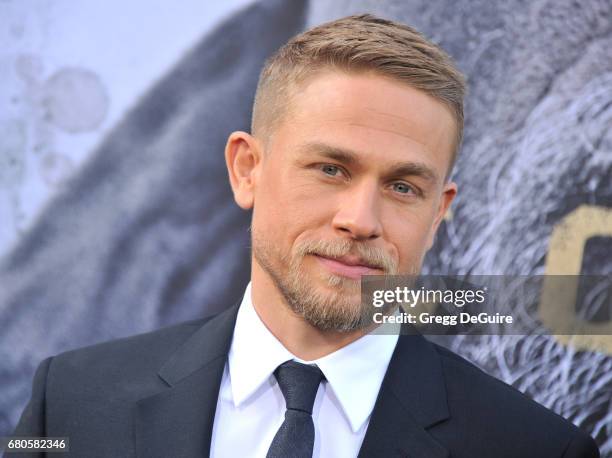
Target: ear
x,y
243,157
449,191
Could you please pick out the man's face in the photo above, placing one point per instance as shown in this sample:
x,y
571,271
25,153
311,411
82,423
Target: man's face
x,y
351,183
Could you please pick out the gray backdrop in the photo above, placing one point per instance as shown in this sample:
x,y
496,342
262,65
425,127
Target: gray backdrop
x,y
141,240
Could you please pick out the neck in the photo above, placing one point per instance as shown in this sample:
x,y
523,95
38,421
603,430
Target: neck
x,y
296,334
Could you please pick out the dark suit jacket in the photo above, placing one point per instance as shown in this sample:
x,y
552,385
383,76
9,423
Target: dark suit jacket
x,y
155,395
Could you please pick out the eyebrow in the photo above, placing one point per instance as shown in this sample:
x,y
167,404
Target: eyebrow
x,y
349,157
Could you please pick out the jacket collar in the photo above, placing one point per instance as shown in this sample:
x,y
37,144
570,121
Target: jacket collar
x,y
178,421
411,400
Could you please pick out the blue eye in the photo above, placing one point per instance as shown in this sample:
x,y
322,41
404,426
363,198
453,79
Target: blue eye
x,y
330,170
402,188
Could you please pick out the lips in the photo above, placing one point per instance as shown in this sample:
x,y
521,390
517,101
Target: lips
x,y
348,266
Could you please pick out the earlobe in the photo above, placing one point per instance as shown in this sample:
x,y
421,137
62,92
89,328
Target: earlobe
x,y
243,159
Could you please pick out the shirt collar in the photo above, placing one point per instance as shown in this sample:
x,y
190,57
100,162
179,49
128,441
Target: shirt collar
x,y
254,353
354,372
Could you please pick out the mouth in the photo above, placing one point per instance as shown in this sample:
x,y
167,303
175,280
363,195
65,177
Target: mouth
x,y
348,266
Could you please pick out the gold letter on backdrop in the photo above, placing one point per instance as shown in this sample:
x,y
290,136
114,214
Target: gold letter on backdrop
x,y
558,300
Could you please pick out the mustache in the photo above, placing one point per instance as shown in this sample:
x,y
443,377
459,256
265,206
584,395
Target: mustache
x,y
373,256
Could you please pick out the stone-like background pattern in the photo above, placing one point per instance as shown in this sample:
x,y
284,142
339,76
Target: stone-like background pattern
x,y
146,233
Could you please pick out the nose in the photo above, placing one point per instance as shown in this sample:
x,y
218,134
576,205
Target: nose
x,y
358,214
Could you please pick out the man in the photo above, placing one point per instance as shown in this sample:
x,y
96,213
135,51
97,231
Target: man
x,y
356,125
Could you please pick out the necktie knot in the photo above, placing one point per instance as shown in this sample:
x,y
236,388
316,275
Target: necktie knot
x,y
299,384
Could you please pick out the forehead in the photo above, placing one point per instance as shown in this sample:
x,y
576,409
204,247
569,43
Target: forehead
x,y
369,112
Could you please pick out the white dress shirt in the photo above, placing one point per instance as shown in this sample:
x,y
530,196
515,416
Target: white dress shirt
x,y
251,406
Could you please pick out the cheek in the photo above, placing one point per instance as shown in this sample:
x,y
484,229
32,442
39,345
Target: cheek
x,y
409,238
282,211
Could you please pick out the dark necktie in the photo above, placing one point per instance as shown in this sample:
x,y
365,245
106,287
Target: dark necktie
x,y
299,384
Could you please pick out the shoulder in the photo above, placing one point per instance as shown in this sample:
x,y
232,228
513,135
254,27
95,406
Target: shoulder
x,y
147,346
465,380
90,393
118,366
495,411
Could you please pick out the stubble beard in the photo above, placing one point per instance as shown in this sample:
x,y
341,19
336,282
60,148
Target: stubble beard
x,y
338,307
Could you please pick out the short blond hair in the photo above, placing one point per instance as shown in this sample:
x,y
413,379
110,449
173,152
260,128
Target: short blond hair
x,y
357,44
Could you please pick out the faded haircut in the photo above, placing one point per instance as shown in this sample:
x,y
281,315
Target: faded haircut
x,y
357,44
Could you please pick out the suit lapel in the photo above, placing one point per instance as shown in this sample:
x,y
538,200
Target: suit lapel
x,y
412,398
178,421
